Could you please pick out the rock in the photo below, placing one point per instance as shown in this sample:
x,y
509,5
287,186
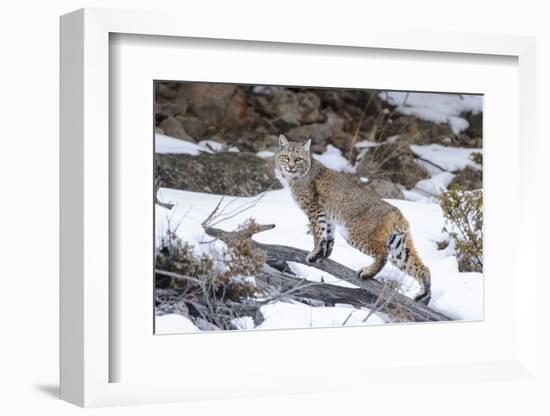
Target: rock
x,y
208,102
463,140
288,108
468,179
173,127
319,134
194,126
475,122
250,140
331,131
394,162
335,122
352,100
385,189
418,131
168,102
235,174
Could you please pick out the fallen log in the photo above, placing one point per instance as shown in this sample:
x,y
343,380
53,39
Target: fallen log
x,y
374,293
325,293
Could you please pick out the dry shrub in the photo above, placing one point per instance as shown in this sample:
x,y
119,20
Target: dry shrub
x,y
179,257
463,212
235,282
203,292
243,262
477,158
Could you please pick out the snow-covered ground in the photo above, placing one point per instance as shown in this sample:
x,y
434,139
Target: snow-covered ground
x,y
449,158
459,295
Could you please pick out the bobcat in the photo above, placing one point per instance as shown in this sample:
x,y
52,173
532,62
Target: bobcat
x,y
368,223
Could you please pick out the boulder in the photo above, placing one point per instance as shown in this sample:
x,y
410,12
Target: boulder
x,y
464,140
249,140
168,102
235,174
289,109
208,102
194,126
418,131
475,122
385,189
319,133
171,126
394,162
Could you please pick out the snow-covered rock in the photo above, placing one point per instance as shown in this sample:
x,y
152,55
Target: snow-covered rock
x,y
436,107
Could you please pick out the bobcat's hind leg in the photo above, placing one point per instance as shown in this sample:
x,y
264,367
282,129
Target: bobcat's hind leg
x,y
380,255
405,257
373,269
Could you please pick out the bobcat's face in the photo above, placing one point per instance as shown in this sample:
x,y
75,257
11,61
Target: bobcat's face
x,y
294,159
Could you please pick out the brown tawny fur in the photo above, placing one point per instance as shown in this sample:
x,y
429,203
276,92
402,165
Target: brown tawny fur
x,y
368,223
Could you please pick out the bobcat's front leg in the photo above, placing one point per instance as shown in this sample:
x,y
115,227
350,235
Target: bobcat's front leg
x,y
323,239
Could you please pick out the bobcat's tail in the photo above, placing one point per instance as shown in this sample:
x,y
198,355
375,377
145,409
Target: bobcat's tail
x,y
403,255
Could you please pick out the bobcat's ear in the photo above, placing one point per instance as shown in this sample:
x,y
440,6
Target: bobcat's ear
x,y
307,145
283,142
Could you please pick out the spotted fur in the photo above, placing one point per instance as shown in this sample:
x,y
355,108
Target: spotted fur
x,y
369,224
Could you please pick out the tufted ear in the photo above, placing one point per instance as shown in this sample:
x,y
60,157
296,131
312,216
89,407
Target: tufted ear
x,y
307,145
283,142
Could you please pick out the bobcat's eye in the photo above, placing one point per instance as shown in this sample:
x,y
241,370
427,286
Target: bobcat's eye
x,y
299,159
284,157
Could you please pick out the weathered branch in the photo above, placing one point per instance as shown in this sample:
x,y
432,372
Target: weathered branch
x,y
373,290
326,293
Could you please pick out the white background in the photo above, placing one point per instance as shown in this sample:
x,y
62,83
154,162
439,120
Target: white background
x,y
29,175
136,62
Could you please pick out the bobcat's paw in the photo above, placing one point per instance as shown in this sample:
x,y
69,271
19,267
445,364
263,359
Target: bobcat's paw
x,y
329,247
365,274
323,251
424,297
313,256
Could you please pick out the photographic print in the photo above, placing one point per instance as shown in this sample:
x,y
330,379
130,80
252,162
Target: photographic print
x,y
284,207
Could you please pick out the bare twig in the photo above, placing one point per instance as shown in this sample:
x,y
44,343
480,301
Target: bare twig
x,y
166,205
356,133
218,215
417,156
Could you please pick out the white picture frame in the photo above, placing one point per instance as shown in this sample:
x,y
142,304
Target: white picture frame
x,y
86,353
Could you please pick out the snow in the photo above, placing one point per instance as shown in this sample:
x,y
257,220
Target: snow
x,y
459,295
333,159
435,107
451,159
364,144
296,315
265,154
436,184
245,322
167,144
171,323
